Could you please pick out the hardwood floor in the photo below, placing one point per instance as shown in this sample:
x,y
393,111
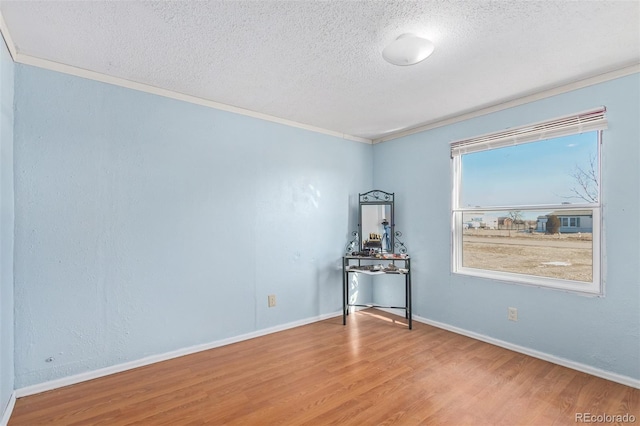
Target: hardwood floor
x,y
372,372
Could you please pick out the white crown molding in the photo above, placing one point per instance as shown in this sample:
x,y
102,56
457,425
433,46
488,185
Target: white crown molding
x,y
92,75
7,38
604,374
90,375
8,410
601,78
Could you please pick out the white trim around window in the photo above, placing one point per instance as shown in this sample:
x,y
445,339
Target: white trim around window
x,y
595,122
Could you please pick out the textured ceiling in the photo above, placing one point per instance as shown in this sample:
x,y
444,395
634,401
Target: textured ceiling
x,y
319,62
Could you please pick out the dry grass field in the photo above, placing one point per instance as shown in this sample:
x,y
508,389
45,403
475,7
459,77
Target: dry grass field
x,y
566,256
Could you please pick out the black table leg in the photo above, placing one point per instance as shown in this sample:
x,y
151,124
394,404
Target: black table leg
x,y
409,300
345,291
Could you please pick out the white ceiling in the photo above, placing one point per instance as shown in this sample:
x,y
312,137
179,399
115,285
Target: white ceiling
x,y
319,63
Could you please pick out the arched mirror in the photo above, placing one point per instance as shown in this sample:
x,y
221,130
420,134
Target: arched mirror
x,y
376,227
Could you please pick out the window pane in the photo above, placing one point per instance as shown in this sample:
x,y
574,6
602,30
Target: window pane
x,y
515,241
553,171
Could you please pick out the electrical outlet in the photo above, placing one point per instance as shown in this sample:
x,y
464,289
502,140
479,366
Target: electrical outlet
x,y
513,314
271,300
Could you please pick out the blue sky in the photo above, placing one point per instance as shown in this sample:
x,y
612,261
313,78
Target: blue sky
x,y
528,174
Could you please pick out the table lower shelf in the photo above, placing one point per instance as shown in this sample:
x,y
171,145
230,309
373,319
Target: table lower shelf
x,y
373,305
400,271
372,269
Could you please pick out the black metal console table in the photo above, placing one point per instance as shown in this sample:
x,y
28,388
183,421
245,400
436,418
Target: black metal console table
x,y
376,266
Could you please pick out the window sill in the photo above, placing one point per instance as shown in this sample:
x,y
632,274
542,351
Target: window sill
x,y
579,287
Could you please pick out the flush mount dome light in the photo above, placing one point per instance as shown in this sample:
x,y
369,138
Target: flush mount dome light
x,y
408,49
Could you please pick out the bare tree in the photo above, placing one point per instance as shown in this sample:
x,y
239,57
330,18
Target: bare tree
x,y
586,182
516,218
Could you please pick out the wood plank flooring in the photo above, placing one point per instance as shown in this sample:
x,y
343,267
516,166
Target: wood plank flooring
x,y
374,371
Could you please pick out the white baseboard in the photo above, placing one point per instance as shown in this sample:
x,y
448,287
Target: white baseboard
x,y
6,415
90,375
604,374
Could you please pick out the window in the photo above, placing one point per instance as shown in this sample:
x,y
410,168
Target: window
x,y
526,204
572,222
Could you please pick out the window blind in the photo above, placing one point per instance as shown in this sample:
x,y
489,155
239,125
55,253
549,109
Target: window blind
x,y
586,121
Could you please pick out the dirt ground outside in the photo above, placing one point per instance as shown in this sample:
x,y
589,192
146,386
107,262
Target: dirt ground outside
x,y
564,256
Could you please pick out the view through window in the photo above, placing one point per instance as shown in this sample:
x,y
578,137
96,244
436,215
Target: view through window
x,y
530,212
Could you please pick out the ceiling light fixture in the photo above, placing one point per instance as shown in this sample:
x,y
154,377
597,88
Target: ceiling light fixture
x,y
408,49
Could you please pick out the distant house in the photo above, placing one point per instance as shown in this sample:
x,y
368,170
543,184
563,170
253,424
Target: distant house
x,y
571,221
541,224
480,220
489,222
505,222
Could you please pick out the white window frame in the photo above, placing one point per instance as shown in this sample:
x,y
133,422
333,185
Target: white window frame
x,y
592,120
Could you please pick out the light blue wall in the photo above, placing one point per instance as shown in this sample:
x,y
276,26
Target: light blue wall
x,y
146,225
599,332
6,226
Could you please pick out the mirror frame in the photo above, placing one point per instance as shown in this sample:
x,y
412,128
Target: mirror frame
x,y
377,197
